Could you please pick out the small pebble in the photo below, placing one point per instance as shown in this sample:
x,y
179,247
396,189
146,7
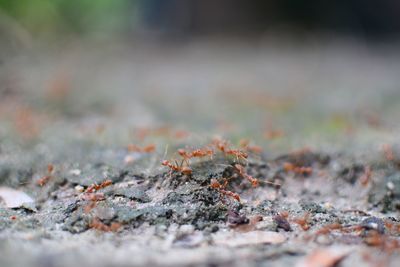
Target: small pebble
x,y
79,188
235,218
374,223
282,222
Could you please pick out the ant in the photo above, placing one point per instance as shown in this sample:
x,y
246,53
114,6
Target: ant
x,y
366,177
220,144
254,182
96,187
239,154
98,225
388,152
203,153
42,181
175,167
198,153
146,149
303,221
94,197
296,169
376,239
221,188
245,144
185,155
274,134
328,228
223,146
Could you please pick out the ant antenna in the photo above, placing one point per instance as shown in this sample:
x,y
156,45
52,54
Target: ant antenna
x,y
166,151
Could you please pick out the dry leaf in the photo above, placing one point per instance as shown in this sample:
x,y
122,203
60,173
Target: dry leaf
x,y
13,198
328,257
236,239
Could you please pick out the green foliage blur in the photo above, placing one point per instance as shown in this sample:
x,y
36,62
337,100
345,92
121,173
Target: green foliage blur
x,y
49,18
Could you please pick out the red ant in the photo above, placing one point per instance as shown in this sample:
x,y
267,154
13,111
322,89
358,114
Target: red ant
x,y
98,225
254,182
185,155
93,196
303,221
296,169
244,143
220,144
273,134
42,181
388,151
216,185
202,153
175,167
328,228
146,149
366,177
198,153
237,153
96,187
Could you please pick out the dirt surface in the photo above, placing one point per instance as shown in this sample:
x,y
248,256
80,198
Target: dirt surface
x,y
301,164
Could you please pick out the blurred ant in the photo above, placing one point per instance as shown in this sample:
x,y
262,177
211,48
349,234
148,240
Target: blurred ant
x,y
245,144
329,228
388,151
220,144
239,154
366,177
303,221
42,181
296,169
146,149
98,225
93,196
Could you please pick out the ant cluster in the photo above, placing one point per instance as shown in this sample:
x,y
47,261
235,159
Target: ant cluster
x,y
217,146
91,194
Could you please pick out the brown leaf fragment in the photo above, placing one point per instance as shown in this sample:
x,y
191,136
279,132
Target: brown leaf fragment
x,y
327,257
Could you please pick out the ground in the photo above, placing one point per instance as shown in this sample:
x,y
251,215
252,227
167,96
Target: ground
x,y
84,130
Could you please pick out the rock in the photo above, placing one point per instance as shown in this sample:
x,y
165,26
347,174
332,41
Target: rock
x,y
93,173
386,193
135,193
374,223
282,222
14,198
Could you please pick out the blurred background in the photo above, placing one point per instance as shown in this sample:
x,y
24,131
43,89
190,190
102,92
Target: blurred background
x,y
301,72
180,18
